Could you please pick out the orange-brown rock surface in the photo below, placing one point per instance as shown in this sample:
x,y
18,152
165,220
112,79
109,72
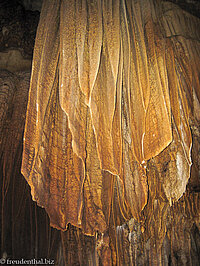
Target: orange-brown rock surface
x,y
112,86
111,133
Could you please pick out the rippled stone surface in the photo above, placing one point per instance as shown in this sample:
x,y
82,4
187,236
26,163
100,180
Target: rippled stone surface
x,y
111,118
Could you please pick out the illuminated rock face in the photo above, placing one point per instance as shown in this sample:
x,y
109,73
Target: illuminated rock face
x,y
112,111
164,234
111,88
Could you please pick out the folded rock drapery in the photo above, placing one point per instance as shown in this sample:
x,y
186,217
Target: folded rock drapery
x,y
110,89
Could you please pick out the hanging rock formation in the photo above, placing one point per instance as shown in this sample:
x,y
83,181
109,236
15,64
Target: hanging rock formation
x,y
111,133
110,89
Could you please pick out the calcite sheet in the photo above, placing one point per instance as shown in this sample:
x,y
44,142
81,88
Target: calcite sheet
x,y
112,87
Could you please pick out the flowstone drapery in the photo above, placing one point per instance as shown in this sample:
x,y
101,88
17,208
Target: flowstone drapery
x,y
113,112
112,86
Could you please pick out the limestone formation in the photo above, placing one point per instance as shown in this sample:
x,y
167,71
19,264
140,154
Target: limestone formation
x,y
111,139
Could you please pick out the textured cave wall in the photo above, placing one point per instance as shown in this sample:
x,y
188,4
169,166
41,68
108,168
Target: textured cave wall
x,y
17,35
162,234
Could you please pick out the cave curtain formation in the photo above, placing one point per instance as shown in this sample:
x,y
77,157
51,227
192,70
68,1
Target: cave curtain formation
x,y
113,96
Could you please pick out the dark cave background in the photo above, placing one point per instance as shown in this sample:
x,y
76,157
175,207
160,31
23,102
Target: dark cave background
x,y
24,227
